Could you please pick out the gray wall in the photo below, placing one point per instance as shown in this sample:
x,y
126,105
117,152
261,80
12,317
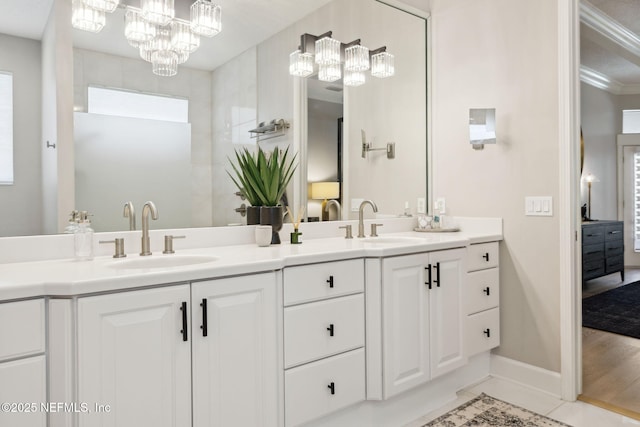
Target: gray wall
x,y
20,204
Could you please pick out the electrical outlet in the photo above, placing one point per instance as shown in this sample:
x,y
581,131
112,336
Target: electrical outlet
x,y
441,205
421,206
355,204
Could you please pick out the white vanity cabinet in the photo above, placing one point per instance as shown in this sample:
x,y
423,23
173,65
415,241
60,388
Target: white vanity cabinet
x,y
201,354
324,338
22,363
422,319
482,298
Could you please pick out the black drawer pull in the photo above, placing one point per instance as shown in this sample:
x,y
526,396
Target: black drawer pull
x,y
437,267
487,332
183,308
486,256
428,282
330,329
594,252
332,387
330,281
487,291
593,269
204,317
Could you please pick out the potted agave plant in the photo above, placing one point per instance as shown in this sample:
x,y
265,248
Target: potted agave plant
x,y
263,178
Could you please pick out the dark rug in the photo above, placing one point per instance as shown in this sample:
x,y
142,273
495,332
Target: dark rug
x,y
485,411
617,311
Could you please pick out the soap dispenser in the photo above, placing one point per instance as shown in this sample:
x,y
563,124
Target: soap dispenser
x,y
83,238
72,225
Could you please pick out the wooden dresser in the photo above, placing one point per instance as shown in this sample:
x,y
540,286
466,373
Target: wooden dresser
x,y
602,249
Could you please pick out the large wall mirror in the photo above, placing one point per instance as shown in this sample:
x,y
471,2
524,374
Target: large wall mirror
x,y
232,83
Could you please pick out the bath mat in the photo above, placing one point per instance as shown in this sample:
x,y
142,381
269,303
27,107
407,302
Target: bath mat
x,y
485,411
614,311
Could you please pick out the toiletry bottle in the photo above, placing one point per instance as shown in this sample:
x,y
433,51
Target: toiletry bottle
x,y
72,225
83,238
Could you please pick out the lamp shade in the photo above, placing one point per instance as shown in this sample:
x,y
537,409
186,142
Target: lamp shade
x,y
325,190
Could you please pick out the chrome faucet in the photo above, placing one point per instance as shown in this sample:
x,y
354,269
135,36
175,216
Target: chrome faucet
x,y
148,207
361,215
336,204
130,212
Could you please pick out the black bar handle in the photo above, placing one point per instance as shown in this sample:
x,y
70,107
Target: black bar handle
x,y
332,387
428,282
487,332
437,267
487,291
183,308
204,317
486,256
330,329
330,281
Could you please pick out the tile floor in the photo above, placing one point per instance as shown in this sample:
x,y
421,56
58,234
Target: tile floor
x,y
576,414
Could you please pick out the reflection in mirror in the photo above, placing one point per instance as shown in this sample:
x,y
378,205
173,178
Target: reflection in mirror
x,y
235,81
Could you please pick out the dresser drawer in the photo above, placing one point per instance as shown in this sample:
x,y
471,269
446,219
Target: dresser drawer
x,y
613,247
614,263
482,292
592,234
613,231
322,387
592,252
591,269
483,331
483,255
323,328
326,280
21,328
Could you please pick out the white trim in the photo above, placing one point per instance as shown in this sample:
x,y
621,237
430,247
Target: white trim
x,y
399,4
569,238
528,375
608,27
604,82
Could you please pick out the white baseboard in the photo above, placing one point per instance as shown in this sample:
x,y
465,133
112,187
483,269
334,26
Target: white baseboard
x,y
528,375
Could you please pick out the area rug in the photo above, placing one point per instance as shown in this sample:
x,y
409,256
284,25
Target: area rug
x,y
485,411
617,311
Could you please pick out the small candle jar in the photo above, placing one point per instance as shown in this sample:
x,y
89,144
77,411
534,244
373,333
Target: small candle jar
x,y
295,237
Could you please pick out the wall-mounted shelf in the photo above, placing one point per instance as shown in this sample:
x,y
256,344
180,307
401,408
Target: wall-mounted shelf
x,y
273,129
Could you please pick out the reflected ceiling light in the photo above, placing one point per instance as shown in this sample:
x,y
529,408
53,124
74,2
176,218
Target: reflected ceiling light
x,y
162,39
332,56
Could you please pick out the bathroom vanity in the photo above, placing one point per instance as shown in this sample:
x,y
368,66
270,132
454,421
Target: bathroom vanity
x,y
330,332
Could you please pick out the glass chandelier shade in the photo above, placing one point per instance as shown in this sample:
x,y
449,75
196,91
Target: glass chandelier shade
x,y
329,72
382,65
354,78
103,5
206,18
300,64
86,18
356,58
182,38
159,12
165,63
327,51
136,29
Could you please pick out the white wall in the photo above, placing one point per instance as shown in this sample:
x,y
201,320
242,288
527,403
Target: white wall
x,y
503,54
601,121
21,203
100,69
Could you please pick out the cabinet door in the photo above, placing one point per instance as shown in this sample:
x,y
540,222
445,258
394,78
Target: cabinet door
x,y
445,307
405,306
23,382
235,366
132,356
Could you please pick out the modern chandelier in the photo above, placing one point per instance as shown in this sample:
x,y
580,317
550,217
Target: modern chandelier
x,y
333,57
162,39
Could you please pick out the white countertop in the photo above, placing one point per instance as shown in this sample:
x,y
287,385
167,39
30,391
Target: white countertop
x,y
68,277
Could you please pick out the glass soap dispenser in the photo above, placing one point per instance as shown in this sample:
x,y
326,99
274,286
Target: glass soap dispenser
x,y
83,238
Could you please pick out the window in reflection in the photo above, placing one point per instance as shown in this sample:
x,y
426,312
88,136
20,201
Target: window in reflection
x,y
6,128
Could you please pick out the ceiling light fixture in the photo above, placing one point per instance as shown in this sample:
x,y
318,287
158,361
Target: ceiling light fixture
x,y
162,39
331,56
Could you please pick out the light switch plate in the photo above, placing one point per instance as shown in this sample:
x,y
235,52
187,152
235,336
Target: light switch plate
x,y
421,206
441,205
538,206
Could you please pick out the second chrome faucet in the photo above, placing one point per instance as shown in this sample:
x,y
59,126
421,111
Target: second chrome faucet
x,y
148,208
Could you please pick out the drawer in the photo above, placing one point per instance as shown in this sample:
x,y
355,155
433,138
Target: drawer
x,y
592,234
21,328
592,252
483,291
613,247
322,387
592,269
483,331
483,255
24,381
319,281
613,231
615,263
319,329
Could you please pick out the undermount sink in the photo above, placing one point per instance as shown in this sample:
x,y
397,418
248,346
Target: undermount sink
x,y
392,240
162,261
